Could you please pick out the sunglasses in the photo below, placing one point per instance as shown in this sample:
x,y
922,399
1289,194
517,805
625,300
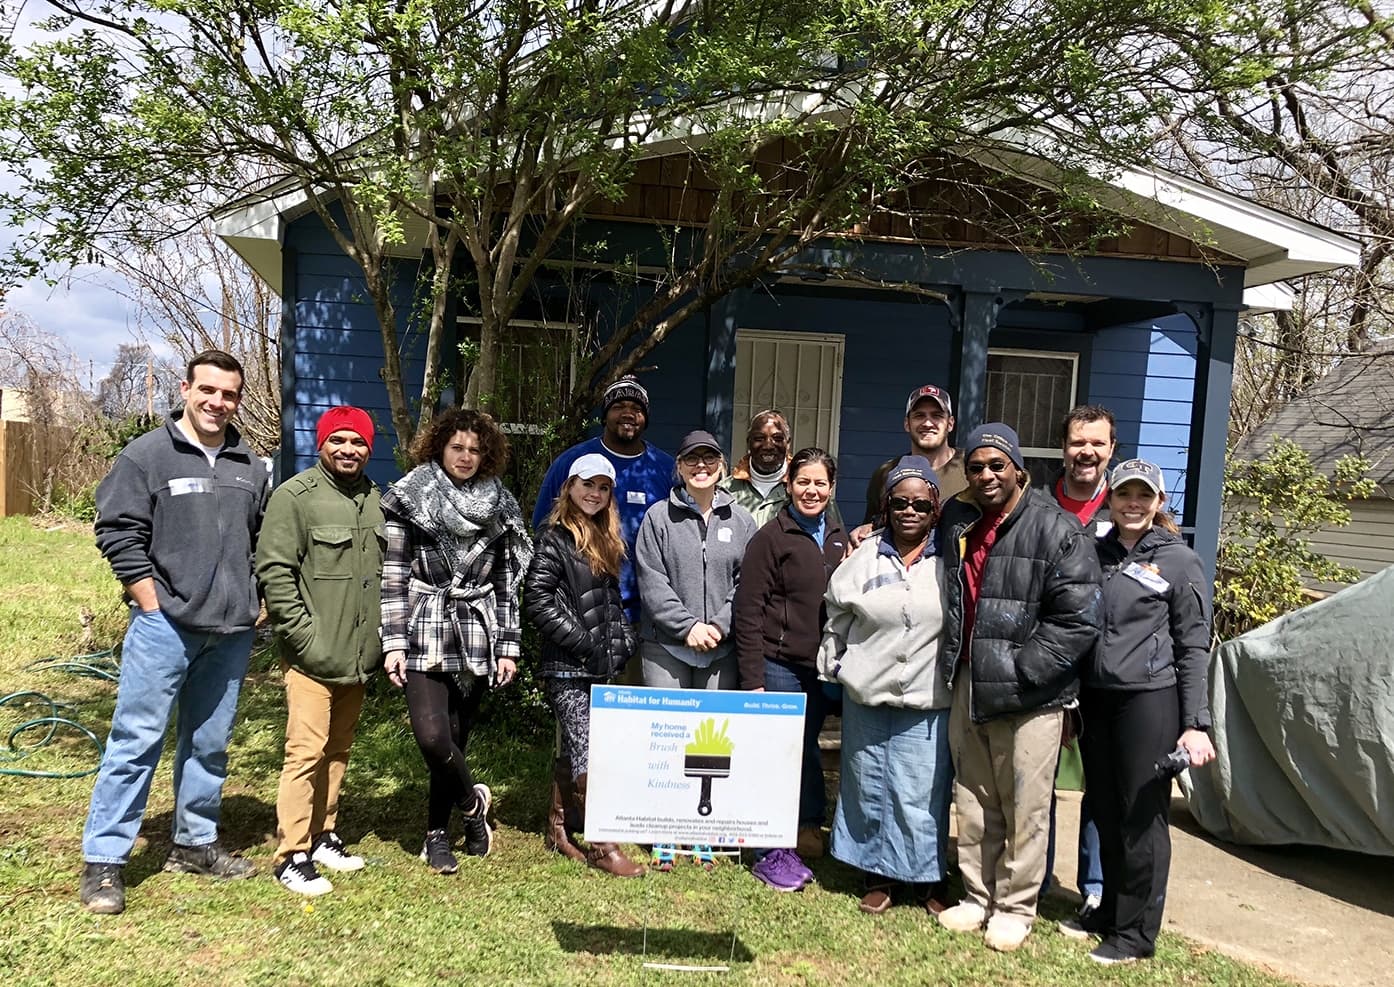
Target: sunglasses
x,y
920,506
996,465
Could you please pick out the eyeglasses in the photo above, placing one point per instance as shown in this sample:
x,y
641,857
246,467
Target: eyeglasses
x,y
996,465
702,459
920,506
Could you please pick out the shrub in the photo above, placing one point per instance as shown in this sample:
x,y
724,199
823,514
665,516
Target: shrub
x,y
1272,506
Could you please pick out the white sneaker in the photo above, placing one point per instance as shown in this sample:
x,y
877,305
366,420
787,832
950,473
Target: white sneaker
x,y
329,852
966,916
1006,933
297,873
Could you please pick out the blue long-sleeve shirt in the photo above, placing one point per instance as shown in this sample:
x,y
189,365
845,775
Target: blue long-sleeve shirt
x,y
640,482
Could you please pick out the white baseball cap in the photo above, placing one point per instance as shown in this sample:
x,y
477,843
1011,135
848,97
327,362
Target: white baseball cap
x,y
591,465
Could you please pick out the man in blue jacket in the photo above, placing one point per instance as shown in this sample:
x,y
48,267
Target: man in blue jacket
x,y
643,474
177,517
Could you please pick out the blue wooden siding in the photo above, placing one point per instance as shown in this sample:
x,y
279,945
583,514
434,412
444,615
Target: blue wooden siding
x,y
338,346
1145,374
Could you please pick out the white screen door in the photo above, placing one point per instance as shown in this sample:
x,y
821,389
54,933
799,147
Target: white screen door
x,y
796,373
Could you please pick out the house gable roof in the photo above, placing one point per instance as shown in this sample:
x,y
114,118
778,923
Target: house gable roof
x,y
1350,411
1272,246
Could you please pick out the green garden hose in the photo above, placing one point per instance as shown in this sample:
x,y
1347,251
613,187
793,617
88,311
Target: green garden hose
x,y
98,664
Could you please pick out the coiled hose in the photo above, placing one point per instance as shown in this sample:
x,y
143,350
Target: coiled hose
x,y
55,716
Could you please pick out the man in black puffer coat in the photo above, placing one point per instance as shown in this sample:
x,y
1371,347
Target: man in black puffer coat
x,y
1021,606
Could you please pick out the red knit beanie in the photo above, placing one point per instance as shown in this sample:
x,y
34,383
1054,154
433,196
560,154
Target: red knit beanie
x,y
344,417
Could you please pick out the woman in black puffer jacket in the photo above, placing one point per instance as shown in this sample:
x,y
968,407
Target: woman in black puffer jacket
x,y
572,594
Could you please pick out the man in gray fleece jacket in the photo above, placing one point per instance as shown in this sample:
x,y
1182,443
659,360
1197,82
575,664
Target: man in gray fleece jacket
x,y
176,519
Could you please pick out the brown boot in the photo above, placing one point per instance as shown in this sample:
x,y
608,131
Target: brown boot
x,y
607,856
558,834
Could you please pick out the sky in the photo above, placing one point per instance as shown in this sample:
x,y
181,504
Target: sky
x,y
84,309
87,314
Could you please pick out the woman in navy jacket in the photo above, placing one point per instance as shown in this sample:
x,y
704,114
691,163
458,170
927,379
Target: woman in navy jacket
x,y
1145,695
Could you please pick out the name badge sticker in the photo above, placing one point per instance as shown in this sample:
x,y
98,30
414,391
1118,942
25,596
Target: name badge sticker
x,y
1102,528
636,497
1147,576
190,484
723,534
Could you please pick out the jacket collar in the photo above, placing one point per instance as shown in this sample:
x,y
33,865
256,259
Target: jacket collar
x,y
358,486
677,496
232,439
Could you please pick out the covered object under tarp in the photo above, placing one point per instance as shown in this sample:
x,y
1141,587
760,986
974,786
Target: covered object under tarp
x,y
1303,713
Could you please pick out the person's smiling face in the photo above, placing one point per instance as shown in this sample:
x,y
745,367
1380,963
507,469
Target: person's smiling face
x,y
700,469
929,426
344,454
591,495
1087,451
769,448
210,401
993,479
1133,507
911,512
810,489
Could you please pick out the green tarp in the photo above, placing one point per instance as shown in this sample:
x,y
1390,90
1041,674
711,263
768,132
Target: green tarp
x,y
1304,728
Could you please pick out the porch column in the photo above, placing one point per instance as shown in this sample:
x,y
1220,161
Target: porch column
x,y
284,462
1218,326
974,316
723,318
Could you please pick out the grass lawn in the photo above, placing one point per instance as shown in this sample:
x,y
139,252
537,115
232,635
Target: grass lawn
x,y
520,916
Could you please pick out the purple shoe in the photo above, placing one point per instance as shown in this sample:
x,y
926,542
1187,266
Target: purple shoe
x,y
782,870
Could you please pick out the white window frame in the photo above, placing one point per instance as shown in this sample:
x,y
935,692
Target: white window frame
x,y
1039,452
835,339
570,329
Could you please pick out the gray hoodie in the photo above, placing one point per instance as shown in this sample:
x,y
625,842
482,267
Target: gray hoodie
x,y
164,512
688,570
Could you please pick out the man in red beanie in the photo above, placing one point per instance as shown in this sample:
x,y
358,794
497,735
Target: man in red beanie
x,y
319,563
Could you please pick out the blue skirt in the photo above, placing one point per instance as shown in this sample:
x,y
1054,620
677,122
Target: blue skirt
x,y
896,783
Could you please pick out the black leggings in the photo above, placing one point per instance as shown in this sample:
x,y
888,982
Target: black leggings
x,y
1125,734
441,716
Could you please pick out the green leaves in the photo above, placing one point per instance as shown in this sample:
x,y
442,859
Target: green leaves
x,y
1272,506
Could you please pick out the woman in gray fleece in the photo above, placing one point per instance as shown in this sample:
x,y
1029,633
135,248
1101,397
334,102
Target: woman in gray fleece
x,y
688,560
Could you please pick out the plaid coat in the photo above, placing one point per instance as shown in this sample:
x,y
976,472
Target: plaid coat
x,y
445,623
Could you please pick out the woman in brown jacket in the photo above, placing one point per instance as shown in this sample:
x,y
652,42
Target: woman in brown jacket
x,y
778,625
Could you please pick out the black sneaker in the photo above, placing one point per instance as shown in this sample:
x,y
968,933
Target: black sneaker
x,y
478,836
210,859
436,852
102,890
329,851
297,873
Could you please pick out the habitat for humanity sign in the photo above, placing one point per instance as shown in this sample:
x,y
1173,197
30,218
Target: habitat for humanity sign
x,y
693,766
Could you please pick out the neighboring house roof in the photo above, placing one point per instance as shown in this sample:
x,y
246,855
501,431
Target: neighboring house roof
x,y
1350,411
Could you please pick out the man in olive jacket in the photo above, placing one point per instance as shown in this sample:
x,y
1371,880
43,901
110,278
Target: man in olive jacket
x,y
1021,608
319,562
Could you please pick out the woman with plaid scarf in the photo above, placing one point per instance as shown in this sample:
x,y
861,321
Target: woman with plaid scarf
x,y
457,549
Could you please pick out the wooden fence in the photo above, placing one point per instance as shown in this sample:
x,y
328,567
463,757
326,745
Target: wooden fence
x,y
28,453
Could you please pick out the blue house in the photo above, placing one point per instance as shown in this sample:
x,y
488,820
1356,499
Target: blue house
x,y
1144,323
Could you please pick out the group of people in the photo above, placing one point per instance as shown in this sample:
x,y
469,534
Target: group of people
x,y
966,629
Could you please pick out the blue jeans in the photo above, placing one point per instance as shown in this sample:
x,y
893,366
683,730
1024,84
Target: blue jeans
x,y
813,796
163,665
1089,866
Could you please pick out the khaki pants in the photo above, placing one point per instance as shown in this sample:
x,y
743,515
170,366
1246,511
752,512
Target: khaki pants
x,y
320,721
1004,773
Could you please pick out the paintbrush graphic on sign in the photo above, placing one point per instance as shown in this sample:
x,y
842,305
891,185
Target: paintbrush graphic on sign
x,y
708,757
